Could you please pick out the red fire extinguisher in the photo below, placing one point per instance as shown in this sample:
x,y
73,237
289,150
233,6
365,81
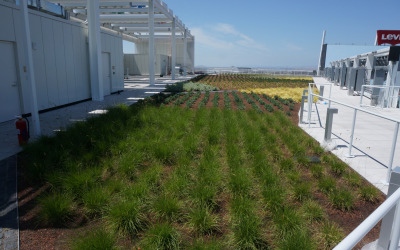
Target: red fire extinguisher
x,y
23,130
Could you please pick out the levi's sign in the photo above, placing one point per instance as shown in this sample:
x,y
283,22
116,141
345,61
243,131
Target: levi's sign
x,y
388,36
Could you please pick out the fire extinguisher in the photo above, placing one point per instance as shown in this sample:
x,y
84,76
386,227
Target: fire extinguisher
x,y
22,124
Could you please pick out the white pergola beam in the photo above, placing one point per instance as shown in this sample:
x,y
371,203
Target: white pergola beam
x,y
151,43
101,2
185,53
29,68
173,49
95,57
120,6
167,37
115,10
142,25
130,16
145,29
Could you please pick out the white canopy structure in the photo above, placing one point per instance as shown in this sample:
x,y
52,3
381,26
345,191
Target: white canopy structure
x,y
145,19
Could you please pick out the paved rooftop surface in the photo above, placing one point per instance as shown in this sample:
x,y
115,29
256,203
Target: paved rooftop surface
x,y
372,138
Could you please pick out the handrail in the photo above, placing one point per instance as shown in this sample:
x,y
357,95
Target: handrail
x,y
357,234
357,108
395,133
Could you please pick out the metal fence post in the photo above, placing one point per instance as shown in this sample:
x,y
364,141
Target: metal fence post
x,y
330,94
310,99
396,132
321,92
328,124
362,93
352,134
303,98
387,221
305,91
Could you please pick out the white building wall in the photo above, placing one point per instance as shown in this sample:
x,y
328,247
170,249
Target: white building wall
x,y
60,57
138,64
163,47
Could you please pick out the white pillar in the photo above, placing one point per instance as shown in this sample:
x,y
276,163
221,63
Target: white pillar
x,y
370,65
392,93
185,53
151,43
193,52
29,68
356,62
173,49
321,56
95,57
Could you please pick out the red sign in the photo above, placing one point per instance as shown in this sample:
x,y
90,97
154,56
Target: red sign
x,y
388,36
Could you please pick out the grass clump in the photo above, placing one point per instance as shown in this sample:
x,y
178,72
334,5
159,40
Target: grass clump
x,y
97,239
161,236
296,240
317,171
369,193
205,99
96,200
55,209
203,221
353,179
215,100
227,100
312,211
192,100
327,184
342,199
329,235
167,207
302,191
287,220
126,217
338,167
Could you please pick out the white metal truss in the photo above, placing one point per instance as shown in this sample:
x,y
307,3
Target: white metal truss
x,y
128,17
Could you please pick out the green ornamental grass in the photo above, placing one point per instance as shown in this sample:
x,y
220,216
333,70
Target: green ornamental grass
x,y
99,239
161,236
55,209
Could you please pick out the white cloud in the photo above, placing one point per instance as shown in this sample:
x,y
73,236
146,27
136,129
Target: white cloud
x,y
225,36
206,39
223,44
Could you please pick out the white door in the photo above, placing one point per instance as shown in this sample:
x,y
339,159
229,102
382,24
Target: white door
x,y
106,73
9,94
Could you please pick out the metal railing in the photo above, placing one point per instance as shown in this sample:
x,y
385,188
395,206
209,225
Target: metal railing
x,y
356,109
354,237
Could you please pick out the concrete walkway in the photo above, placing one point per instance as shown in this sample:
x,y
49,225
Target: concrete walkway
x,y
372,138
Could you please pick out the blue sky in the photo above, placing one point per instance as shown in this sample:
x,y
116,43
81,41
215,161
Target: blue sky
x,y
261,33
